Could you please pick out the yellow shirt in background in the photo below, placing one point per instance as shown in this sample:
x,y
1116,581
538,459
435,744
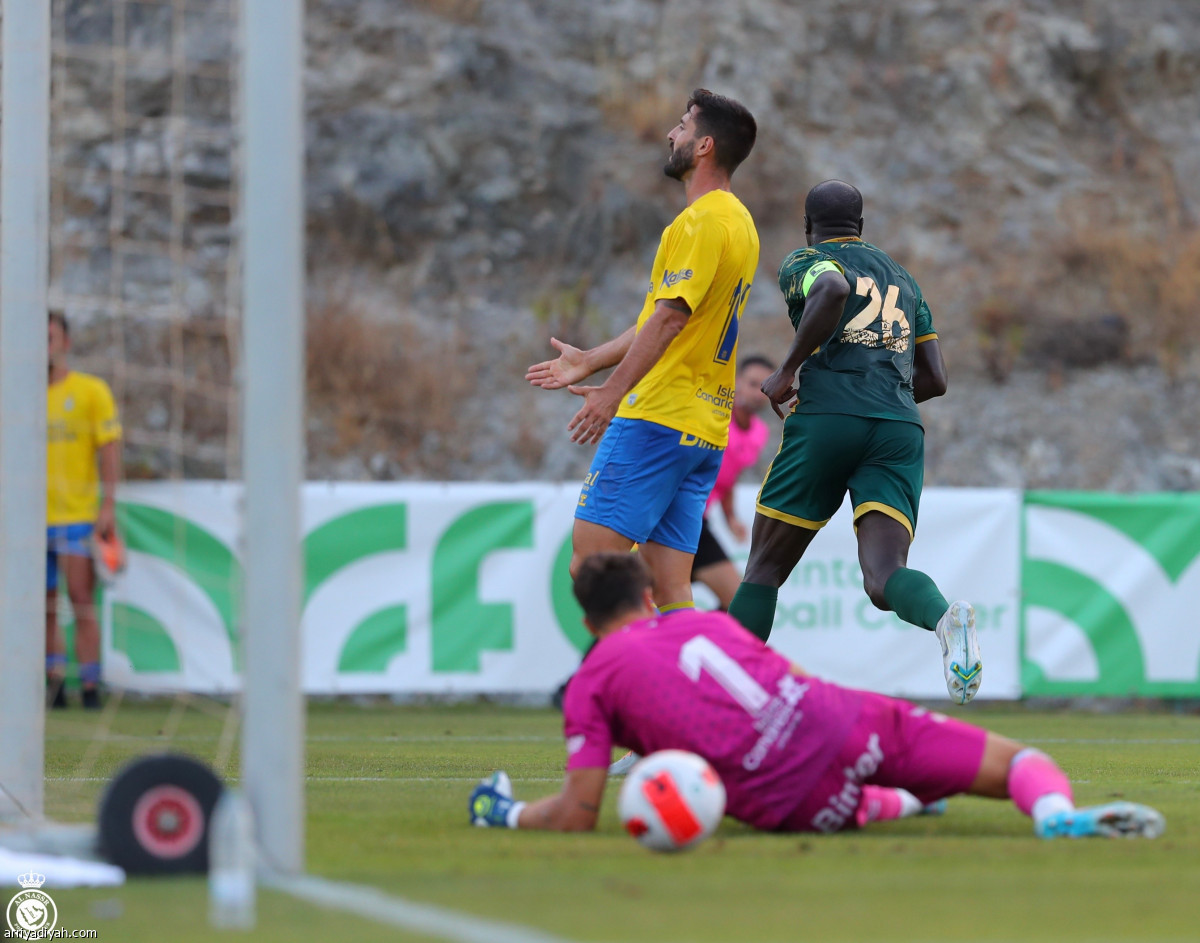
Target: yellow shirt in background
x,y
80,418
707,257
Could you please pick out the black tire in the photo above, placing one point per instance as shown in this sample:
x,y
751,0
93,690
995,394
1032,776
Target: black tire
x,y
154,816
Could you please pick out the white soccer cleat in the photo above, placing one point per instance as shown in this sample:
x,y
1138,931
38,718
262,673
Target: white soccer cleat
x,y
960,651
1113,820
623,765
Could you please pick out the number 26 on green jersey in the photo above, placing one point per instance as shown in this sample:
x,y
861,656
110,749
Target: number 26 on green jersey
x,y
891,332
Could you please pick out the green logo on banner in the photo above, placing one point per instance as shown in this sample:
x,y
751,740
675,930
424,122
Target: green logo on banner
x,y
347,539
198,555
1109,584
211,566
463,626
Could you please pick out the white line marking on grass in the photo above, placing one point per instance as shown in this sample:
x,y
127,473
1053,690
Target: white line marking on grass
x,y
442,738
338,779
453,739
315,738
421,779
1153,741
374,904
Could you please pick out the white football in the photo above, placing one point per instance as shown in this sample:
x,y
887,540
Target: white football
x,y
671,800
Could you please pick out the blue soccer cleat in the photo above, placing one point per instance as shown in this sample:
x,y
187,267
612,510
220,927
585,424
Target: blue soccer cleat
x,y
1112,820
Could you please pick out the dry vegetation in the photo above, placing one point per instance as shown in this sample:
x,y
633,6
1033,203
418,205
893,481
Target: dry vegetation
x,y
1156,283
1095,296
389,391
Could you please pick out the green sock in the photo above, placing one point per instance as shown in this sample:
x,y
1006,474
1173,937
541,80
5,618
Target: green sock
x,y
915,598
753,606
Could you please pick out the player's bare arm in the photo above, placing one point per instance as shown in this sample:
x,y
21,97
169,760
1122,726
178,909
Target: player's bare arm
x,y
736,527
929,371
822,311
575,809
574,365
601,402
110,472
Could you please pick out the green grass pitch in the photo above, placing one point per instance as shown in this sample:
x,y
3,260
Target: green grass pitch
x,y
387,796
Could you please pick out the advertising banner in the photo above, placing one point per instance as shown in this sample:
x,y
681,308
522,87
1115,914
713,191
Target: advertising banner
x,y
458,589
448,589
1111,588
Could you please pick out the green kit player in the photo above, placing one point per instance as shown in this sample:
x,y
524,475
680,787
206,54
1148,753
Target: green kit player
x,y
867,354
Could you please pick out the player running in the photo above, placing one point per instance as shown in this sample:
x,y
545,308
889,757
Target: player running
x,y
795,753
672,390
867,354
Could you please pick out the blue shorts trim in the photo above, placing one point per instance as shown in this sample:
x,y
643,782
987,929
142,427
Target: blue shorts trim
x,y
650,483
74,540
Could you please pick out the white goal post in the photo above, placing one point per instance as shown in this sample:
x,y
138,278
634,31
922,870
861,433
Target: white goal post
x,y
25,201
272,126
271,236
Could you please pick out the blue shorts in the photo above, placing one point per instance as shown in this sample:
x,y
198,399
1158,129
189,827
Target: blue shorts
x,y
74,540
650,483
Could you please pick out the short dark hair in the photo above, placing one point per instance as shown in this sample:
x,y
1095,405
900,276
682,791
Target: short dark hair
x,y
729,123
59,318
755,360
609,584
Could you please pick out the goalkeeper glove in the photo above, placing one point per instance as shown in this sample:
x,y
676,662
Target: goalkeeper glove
x,y
492,804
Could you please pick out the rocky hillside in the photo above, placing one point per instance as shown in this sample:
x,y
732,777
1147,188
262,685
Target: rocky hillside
x,y
482,175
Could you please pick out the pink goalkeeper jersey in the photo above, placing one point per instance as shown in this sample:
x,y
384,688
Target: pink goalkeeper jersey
x,y
698,681
741,452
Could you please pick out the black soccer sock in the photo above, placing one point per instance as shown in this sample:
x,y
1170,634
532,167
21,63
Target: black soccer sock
x,y
915,598
753,606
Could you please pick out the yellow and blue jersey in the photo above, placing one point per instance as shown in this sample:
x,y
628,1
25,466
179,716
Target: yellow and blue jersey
x,y
80,418
707,257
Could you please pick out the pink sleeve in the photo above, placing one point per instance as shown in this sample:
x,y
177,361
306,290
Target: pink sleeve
x,y
585,726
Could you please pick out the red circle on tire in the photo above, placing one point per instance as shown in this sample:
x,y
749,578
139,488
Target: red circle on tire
x,y
168,821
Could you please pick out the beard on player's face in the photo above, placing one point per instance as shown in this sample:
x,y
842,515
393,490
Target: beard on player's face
x,y
681,161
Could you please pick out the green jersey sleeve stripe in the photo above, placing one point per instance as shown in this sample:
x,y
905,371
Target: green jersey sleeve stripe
x,y
819,269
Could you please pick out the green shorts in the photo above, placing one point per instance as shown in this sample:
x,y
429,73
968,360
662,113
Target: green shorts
x,y
881,462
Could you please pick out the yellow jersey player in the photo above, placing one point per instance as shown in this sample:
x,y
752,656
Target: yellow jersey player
x,y
82,451
662,417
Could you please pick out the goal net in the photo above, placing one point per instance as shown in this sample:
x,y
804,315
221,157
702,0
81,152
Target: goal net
x,y
155,256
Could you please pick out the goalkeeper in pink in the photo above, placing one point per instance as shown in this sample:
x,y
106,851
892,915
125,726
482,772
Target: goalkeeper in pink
x,y
795,753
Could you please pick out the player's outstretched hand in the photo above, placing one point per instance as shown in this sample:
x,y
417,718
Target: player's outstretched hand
x,y
780,389
569,367
599,406
492,805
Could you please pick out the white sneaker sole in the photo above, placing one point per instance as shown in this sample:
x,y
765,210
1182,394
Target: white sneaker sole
x,y
1130,820
623,765
1113,820
960,651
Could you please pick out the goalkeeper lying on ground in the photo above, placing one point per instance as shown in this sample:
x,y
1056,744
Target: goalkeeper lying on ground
x,y
795,753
